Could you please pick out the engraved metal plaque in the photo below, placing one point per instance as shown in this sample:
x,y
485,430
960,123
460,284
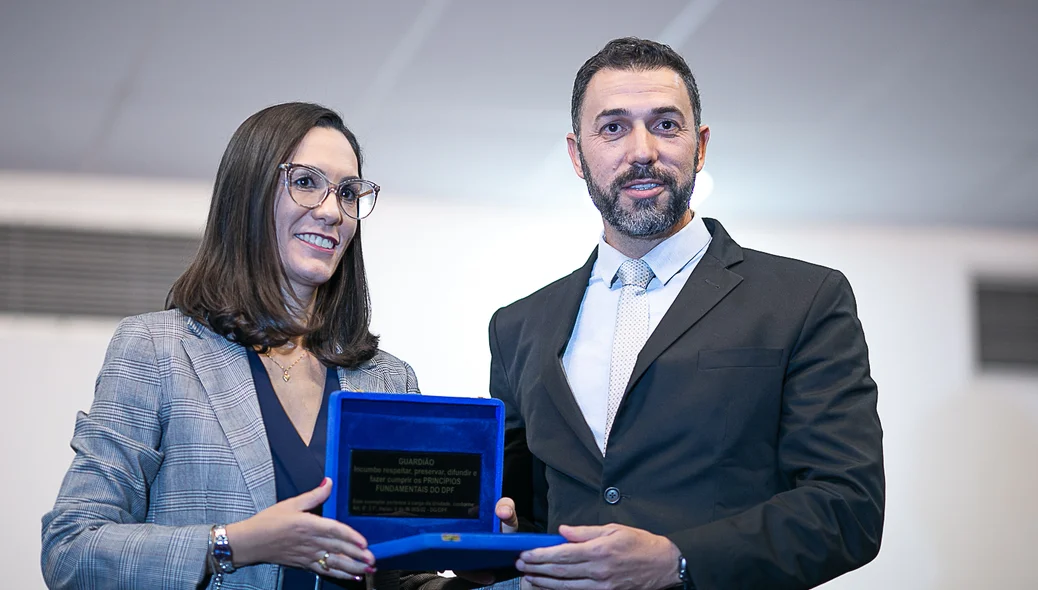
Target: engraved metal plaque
x,y
414,484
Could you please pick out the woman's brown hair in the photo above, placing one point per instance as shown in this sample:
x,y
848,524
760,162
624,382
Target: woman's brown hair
x,y
236,284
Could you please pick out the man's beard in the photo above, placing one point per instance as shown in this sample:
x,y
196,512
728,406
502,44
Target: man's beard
x,y
649,216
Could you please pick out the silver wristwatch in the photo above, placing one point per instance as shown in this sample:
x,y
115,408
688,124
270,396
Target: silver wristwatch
x,y
220,554
686,580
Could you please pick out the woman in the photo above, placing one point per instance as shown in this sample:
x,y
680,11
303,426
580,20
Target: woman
x,y
201,460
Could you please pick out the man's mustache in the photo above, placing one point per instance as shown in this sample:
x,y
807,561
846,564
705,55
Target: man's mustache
x,y
638,172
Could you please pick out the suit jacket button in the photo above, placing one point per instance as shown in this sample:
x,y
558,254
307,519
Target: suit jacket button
x,y
612,495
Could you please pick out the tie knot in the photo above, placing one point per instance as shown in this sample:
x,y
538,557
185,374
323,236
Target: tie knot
x,y
634,271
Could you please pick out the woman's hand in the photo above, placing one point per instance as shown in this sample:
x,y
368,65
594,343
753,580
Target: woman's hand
x,y
287,534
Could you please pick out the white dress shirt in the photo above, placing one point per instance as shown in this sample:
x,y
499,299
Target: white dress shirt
x,y
590,346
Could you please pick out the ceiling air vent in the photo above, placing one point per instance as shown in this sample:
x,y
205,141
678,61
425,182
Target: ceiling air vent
x,y
75,272
1007,322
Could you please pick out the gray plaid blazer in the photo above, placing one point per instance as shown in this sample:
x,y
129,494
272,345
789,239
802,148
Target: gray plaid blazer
x,y
174,443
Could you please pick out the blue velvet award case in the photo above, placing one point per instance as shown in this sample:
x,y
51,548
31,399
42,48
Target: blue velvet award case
x,y
419,476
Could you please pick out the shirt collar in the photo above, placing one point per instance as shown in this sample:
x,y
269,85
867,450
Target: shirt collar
x,y
666,259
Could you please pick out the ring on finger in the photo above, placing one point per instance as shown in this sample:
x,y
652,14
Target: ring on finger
x,y
323,562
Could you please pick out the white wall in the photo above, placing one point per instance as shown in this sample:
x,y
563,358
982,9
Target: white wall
x,y
959,445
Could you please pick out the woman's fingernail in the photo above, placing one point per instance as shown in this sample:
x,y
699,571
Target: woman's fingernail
x,y
325,482
358,578
369,570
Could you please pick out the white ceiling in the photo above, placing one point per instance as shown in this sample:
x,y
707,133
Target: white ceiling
x,y
904,112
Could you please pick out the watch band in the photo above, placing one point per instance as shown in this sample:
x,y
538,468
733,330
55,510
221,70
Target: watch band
x,y
220,550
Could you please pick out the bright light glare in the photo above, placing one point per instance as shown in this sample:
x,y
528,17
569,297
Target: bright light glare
x,y
704,187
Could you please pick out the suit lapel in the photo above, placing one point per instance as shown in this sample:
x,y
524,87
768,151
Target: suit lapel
x,y
563,316
709,283
223,369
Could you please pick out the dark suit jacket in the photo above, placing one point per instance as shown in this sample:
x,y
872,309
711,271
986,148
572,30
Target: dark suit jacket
x,y
748,434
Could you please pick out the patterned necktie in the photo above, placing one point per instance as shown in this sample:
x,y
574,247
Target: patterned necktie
x,y
632,330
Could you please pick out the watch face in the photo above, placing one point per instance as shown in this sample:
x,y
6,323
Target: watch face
x,y
221,552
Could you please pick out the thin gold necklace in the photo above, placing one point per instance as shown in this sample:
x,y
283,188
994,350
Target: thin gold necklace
x,y
284,369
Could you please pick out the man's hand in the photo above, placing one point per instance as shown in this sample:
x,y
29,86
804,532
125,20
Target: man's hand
x,y
610,556
505,510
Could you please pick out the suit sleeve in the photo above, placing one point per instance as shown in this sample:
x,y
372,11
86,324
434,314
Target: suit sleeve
x,y
96,534
523,479
830,453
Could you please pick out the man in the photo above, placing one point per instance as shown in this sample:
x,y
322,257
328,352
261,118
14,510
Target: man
x,y
707,419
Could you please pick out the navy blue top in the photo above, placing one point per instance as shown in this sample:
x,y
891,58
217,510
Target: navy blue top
x,y
298,468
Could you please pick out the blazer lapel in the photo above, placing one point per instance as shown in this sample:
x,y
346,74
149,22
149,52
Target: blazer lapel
x,y
563,316
709,283
223,369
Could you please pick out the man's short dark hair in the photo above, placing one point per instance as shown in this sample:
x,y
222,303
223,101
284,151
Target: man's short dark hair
x,y
633,54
